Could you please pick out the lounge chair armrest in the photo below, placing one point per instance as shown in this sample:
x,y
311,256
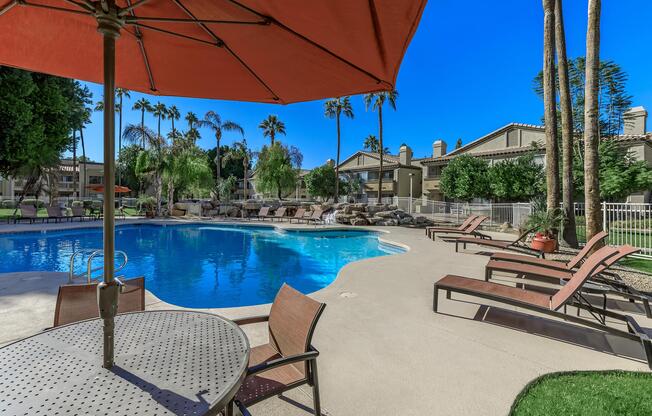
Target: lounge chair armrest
x,y
279,362
251,320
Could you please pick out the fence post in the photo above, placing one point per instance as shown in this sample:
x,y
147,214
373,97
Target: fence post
x,y
604,216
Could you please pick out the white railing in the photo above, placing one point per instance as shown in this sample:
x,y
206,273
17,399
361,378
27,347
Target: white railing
x,y
626,223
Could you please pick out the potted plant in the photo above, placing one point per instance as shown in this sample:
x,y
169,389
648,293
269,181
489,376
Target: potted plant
x,y
546,225
147,204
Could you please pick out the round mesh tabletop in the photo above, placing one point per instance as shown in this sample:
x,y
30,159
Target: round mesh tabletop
x,y
166,363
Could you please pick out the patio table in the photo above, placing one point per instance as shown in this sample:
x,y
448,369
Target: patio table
x,y
166,363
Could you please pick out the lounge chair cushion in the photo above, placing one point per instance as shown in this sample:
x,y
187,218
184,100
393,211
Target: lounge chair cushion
x,y
269,382
495,290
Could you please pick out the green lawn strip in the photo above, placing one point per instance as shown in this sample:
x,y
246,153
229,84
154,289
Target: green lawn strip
x,y
643,265
42,212
590,393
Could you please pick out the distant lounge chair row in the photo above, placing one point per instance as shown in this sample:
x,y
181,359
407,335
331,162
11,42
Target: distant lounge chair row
x,y
564,283
29,213
300,215
470,226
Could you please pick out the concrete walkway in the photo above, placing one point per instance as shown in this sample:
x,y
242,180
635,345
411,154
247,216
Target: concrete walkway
x,y
383,350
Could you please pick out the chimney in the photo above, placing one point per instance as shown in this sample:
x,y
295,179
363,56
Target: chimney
x,y
405,155
330,162
438,148
635,119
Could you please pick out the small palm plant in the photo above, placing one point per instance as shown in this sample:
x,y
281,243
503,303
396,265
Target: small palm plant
x,y
546,222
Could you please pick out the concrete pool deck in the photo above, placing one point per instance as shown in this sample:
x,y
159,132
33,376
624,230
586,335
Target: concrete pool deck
x,y
383,350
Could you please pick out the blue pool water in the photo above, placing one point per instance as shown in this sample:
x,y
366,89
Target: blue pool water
x,y
204,266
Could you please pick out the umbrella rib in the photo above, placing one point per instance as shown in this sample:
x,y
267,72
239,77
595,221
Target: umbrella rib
x,y
310,41
141,46
168,32
8,7
132,6
55,8
84,5
194,21
222,43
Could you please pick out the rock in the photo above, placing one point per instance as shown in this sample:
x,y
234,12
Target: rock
x,y
387,222
359,221
421,220
348,209
385,214
342,218
177,212
406,221
505,227
233,211
373,209
372,220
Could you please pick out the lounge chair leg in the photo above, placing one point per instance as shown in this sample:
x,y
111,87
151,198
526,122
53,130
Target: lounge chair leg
x,y
646,306
457,245
315,387
435,298
487,274
448,294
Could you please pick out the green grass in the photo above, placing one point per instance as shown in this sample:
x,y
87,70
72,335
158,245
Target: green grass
x,y
42,212
590,393
643,265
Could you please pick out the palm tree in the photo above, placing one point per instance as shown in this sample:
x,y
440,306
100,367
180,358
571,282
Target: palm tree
x,y
272,126
592,122
173,114
150,160
183,162
214,122
371,144
160,112
332,109
569,232
120,93
143,105
549,104
375,101
242,152
192,119
86,118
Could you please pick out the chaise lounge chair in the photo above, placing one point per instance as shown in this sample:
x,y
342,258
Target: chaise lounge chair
x,y
54,213
288,360
516,245
78,302
570,265
27,212
551,304
471,229
278,214
316,217
461,227
80,212
298,216
263,213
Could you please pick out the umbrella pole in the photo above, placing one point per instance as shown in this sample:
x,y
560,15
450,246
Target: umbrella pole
x,y
109,26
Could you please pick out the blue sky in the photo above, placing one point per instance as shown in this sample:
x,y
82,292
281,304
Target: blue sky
x,y
468,71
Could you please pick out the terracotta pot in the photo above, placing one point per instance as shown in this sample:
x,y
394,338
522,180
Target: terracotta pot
x,y
544,244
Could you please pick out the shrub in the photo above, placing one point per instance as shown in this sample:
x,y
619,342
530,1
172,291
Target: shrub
x,y
9,203
35,202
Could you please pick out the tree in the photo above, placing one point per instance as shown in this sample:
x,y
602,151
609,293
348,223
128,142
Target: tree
x,y
242,154
120,93
37,115
322,181
569,230
549,104
184,165
150,159
192,133
466,177
81,117
277,169
143,105
272,126
126,166
375,101
160,111
173,114
226,187
371,144
620,174
333,108
591,123
516,180
458,144
214,122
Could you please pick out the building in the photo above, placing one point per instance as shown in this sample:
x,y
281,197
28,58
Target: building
x,y
510,141
67,177
401,174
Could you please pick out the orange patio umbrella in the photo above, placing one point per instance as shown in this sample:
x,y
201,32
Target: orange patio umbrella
x,y
118,189
270,51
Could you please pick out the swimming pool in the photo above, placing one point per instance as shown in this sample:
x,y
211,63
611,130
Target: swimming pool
x,y
204,265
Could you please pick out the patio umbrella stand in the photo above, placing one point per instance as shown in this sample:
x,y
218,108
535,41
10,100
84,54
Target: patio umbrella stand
x,y
250,50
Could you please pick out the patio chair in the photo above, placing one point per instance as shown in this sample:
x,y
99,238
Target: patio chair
x,y
471,229
263,213
54,213
553,264
602,283
461,227
550,304
80,212
278,214
79,302
288,360
298,216
316,217
515,245
27,212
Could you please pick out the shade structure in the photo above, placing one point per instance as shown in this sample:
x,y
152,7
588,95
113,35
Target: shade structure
x,y
270,51
116,189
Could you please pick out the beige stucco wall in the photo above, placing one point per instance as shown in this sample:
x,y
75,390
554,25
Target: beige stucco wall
x,y
402,179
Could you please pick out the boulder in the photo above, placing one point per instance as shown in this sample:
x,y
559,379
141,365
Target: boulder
x,y
385,214
177,212
359,221
406,220
343,218
373,209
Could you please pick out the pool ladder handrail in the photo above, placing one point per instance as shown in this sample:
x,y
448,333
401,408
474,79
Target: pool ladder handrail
x,y
89,270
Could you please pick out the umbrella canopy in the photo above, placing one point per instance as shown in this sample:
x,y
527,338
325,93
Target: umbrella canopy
x,y
116,188
275,51
246,50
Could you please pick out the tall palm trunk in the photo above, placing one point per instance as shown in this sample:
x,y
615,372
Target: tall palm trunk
x,y
380,152
569,233
170,194
591,122
157,177
271,136
83,146
142,127
120,140
246,169
74,163
218,165
337,164
549,102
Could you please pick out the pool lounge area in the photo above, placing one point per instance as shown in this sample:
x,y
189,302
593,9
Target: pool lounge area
x,y
379,325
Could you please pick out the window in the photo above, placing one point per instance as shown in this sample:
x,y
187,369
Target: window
x,y
512,138
95,180
66,178
434,171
